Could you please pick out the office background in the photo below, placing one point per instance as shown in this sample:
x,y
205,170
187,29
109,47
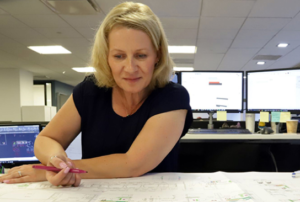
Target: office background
x,y
228,34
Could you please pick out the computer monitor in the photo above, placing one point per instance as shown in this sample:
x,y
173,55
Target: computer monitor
x,y
174,78
17,142
212,91
273,90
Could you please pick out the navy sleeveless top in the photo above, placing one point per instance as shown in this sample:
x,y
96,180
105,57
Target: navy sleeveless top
x,y
104,132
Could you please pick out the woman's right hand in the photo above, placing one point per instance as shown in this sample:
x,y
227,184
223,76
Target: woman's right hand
x,y
63,177
24,173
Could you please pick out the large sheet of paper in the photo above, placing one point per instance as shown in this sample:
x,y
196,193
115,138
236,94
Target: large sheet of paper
x,y
165,187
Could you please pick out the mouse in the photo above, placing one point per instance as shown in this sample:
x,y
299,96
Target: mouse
x,y
266,131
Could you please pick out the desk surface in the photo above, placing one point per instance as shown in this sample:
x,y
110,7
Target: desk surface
x,y
162,187
242,136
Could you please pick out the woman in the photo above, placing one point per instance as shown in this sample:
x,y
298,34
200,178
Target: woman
x,y
130,115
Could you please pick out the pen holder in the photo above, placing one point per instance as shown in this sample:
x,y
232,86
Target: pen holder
x,y
250,122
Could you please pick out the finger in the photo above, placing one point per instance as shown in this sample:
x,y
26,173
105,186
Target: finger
x,y
58,163
9,176
3,177
16,169
70,163
12,170
77,180
66,180
17,180
57,178
72,179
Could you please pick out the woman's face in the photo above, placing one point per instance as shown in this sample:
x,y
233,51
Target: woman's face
x,y
131,58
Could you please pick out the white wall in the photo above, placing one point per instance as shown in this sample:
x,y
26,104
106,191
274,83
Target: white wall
x,y
16,89
26,88
49,94
38,95
10,95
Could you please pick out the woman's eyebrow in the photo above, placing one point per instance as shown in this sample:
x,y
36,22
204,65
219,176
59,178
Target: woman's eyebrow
x,y
140,49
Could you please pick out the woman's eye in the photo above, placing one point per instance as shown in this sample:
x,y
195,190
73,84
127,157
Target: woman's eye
x,y
118,56
142,56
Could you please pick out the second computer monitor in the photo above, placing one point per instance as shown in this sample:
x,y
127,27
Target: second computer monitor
x,y
214,91
16,143
273,90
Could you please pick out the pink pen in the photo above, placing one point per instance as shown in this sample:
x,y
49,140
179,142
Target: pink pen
x,y
49,168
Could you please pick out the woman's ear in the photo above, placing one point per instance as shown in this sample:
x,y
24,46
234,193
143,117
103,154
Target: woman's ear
x,y
158,55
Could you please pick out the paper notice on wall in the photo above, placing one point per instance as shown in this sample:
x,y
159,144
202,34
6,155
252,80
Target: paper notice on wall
x,y
264,117
275,116
221,115
285,116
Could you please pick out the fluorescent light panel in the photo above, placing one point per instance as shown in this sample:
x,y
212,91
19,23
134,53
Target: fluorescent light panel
x,y
182,49
183,68
49,49
84,69
282,45
261,63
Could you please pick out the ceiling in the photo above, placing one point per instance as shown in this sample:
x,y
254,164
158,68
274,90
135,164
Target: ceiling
x,y
228,34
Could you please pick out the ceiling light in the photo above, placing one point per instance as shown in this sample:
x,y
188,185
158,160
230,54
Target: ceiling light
x,y
183,68
282,45
182,49
84,69
73,7
261,63
49,49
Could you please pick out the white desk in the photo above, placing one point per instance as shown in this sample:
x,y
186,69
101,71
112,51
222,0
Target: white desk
x,y
162,187
272,138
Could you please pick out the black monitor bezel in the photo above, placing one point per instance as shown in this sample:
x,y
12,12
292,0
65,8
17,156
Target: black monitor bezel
x,y
17,163
263,110
213,111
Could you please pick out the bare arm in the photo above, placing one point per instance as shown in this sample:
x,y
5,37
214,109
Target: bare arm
x,y
155,141
59,133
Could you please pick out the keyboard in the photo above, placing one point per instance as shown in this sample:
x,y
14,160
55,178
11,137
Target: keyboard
x,y
219,131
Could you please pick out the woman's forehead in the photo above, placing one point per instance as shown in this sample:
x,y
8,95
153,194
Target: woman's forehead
x,y
123,38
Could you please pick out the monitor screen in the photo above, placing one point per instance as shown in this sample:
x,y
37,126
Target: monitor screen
x,y
174,78
273,90
16,143
214,91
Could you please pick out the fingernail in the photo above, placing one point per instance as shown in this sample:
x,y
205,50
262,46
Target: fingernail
x,y
63,165
6,181
67,170
69,163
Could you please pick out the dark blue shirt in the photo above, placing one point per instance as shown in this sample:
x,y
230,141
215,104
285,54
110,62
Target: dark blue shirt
x,y
104,132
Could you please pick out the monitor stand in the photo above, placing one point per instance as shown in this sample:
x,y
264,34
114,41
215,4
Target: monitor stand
x,y
277,127
210,123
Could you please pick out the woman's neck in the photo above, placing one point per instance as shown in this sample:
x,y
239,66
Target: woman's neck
x,y
130,101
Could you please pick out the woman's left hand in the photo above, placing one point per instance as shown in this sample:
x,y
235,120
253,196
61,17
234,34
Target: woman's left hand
x,y
23,174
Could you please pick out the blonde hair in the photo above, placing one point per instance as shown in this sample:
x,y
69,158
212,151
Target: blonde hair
x,y
136,16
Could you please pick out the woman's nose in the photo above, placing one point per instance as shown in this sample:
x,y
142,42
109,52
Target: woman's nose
x,y
130,65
